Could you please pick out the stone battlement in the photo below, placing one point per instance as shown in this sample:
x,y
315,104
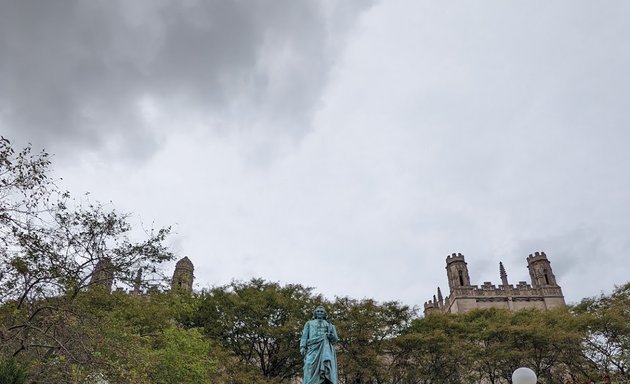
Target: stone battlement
x,y
489,290
454,257
542,293
536,256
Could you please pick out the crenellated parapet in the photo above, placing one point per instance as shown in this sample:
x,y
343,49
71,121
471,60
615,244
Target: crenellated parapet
x,y
437,304
542,293
429,306
454,257
536,256
488,289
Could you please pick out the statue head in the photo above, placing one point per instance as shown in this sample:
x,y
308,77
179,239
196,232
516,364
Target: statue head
x,y
320,313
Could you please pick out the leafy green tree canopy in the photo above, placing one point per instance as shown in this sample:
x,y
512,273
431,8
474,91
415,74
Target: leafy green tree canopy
x,y
50,245
259,322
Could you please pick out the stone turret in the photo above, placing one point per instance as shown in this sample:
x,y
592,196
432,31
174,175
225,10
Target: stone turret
x,y
183,276
457,271
103,275
543,293
540,270
137,283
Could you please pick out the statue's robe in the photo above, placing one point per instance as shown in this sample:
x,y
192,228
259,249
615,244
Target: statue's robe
x,y
320,359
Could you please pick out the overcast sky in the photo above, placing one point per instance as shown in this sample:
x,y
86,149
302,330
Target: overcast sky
x,y
344,145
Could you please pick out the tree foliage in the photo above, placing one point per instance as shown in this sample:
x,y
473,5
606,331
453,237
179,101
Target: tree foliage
x,y
50,245
431,351
606,320
259,323
181,356
367,329
12,371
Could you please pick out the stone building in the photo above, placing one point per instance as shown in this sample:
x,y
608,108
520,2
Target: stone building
x,y
182,280
183,277
543,293
103,275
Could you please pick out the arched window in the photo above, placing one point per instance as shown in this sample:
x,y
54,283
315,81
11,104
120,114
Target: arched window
x,y
546,274
461,277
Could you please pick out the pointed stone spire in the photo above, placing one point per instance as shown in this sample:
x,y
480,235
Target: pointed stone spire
x,y
504,280
440,297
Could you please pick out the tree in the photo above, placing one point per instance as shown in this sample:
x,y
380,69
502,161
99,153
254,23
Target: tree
x,y
52,265
432,350
181,357
488,345
607,324
259,323
121,338
546,341
366,330
49,250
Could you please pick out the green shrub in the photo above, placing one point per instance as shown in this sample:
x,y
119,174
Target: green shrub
x,y
12,372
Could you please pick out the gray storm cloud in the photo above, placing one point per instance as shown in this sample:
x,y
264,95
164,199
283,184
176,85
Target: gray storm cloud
x,y
77,72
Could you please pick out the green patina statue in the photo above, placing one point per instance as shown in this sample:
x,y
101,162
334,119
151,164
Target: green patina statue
x,y
317,347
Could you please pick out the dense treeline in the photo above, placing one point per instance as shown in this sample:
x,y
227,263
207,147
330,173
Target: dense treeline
x,y
54,328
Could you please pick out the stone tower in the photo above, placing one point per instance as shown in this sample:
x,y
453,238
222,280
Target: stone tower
x,y
137,283
183,276
457,271
543,293
540,271
103,275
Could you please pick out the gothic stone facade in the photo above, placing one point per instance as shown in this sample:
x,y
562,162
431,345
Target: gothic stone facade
x,y
543,293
